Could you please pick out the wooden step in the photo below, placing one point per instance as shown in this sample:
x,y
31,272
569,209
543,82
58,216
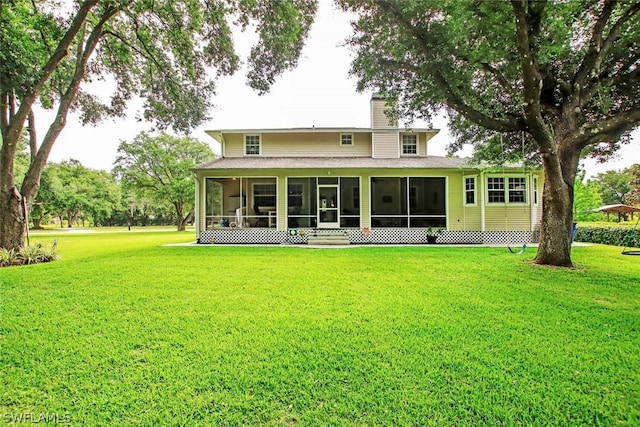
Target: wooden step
x,y
327,237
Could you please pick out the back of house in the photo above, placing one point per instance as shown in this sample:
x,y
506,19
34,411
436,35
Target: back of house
x,y
373,185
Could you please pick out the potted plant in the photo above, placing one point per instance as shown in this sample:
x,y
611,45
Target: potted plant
x,y
432,234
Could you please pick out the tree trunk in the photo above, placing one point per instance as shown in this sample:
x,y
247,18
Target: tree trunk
x,y
557,208
37,223
181,220
184,221
557,222
12,226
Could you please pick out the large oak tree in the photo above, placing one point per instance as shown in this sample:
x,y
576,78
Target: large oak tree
x,y
168,52
158,168
564,74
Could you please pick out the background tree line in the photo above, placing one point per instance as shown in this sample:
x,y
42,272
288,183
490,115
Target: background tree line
x,y
612,187
151,184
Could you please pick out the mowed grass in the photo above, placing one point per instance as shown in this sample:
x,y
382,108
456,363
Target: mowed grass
x,y
124,331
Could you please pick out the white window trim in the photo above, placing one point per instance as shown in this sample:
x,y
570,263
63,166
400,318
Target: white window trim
x,y
506,190
345,145
275,193
536,193
475,190
402,153
244,144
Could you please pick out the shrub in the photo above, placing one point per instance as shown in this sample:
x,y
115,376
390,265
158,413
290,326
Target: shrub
x,y
617,236
29,255
8,257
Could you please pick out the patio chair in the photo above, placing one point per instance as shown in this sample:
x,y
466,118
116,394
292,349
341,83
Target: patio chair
x,y
262,220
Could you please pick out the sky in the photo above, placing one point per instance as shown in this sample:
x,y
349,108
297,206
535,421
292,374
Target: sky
x,y
318,92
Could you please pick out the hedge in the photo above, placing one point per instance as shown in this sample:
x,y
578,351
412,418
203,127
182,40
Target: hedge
x,y
616,236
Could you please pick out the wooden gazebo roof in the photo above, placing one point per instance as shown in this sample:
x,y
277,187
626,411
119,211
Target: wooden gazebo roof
x,y
618,209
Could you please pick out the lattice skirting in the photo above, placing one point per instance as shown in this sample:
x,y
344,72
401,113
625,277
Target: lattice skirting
x,y
375,236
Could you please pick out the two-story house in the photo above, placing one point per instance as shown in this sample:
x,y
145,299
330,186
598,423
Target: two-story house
x,y
377,185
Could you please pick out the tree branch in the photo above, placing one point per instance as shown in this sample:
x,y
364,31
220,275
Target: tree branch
x,y
531,79
607,130
614,34
451,98
26,103
66,100
500,78
595,47
33,140
4,114
605,79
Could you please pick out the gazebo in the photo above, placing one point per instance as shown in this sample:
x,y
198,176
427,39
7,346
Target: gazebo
x,y
619,209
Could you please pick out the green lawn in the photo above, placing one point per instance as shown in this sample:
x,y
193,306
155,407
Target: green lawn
x,y
124,331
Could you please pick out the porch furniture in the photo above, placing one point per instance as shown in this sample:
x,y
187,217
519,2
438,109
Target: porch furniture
x,y
272,219
262,220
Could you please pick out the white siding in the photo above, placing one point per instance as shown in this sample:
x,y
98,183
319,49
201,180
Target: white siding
x,y
325,144
321,144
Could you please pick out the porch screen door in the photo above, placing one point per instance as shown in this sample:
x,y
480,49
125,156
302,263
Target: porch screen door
x,y
328,206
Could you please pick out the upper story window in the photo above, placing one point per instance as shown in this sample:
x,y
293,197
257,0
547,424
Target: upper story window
x,y
252,145
346,139
470,190
507,190
409,145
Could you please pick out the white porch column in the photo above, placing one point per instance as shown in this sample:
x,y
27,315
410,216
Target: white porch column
x,y
198,214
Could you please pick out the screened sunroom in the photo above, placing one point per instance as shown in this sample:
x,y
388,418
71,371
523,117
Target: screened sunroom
x,y
241,202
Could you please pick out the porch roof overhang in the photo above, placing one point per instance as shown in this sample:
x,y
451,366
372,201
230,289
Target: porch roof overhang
x,y
243,163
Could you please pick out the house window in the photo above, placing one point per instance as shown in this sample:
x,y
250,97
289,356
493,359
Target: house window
x,y
264,195
346,139
509,190
409,145
535,190
470,191
495,187
252,145
517,190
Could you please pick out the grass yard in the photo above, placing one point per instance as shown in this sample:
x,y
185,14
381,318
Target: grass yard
x,y
124,331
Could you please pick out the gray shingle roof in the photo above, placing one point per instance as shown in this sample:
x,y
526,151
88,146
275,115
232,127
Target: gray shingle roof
x,y
429,162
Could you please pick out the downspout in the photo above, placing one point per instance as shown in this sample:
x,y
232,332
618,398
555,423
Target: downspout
x,y
464,201
531,207
483,227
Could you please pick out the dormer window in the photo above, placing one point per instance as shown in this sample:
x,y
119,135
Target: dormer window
x,y
252,145
346,139
409,145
